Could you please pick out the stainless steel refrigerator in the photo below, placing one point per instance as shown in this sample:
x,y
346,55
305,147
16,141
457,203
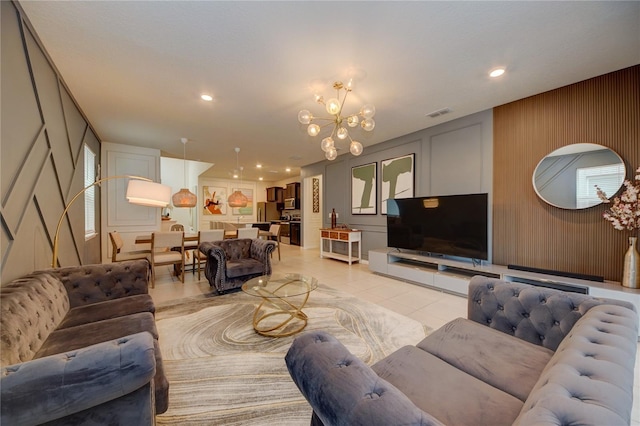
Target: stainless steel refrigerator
x,y
269,211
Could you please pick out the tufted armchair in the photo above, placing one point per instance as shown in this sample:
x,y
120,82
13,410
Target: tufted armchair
x,y
526,356
232,262
80,343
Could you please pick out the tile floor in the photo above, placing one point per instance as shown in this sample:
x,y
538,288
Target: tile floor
x,y
431,307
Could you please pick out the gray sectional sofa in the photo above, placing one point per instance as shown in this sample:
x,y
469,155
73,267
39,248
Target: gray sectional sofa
x,y
525,356
79,345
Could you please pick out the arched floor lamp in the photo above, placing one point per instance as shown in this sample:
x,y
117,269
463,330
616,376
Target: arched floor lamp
x,y
141,191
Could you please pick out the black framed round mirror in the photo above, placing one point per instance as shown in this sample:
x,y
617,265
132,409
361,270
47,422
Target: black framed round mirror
x,y
566,178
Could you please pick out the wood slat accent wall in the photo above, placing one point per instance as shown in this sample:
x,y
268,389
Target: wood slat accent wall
x,y
527,231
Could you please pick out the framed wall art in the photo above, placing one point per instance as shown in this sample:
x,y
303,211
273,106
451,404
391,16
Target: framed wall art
x,y
397,179
215,200
244,211
363,189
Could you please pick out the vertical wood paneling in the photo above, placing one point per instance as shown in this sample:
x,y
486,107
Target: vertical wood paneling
x,y
527,231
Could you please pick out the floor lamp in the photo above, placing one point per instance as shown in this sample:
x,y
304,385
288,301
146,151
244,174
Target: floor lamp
x,y
140,191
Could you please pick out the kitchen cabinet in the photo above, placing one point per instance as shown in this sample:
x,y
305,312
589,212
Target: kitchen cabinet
x,y
292,190
275,194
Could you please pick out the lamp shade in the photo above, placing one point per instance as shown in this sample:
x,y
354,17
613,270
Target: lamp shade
x,y
184,198
145,193
237,199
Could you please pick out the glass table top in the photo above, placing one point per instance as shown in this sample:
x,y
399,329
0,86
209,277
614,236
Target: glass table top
x,y
283,285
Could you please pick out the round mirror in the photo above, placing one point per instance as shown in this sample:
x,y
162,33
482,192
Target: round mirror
x,y
567,177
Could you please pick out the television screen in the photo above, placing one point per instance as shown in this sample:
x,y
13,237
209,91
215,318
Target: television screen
x,y
454,225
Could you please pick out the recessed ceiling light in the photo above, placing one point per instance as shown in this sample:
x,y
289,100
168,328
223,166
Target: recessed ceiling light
x,y
235,176
260,178
288,169
497,72
207,98
258,166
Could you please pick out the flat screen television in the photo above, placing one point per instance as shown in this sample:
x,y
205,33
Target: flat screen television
x,y
453,225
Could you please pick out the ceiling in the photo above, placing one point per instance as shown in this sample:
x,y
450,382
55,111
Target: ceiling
x,y
137,69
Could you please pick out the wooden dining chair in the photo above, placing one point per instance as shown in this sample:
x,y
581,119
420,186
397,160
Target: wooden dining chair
x,y
274,235
117,255
248,233
167,248
205,236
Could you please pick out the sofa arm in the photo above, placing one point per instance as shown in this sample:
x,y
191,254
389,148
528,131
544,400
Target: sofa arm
x,y
97,283
215,267
538,315
261,249
56,386
343,390
589,380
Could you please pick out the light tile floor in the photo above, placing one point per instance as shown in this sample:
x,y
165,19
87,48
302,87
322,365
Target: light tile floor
x,y
431,307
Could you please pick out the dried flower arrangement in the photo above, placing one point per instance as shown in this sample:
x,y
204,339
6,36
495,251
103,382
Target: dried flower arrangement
x,y
624,213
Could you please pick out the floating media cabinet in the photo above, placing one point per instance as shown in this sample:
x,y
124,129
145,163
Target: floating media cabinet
x,y
453,276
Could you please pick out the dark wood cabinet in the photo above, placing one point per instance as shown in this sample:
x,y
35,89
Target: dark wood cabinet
x,y
275,194
292,191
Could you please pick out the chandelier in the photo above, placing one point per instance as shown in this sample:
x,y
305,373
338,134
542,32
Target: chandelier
x,y
238,199
184,197
338,120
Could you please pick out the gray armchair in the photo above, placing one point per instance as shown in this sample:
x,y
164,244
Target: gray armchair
x,y
232,262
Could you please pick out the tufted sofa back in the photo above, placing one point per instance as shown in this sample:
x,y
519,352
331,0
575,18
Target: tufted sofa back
x,y
31,308
236,249
539,315
98,283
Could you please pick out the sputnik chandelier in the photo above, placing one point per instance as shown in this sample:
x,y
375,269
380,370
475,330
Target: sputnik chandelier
x,y
334,106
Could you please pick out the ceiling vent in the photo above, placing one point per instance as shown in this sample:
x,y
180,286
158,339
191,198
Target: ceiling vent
x,y
439,112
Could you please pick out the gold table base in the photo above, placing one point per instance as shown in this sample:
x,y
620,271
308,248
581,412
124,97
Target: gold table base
x,y
282,307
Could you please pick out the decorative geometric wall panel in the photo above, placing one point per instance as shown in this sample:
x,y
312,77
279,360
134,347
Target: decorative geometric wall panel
x,y
456,166
75,123
41,167
25,183
528,231
21,121
51,105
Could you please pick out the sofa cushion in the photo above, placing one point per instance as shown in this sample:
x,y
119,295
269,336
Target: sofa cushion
x,y
445,392
511,365
80,336
242,267
107,310
591,374
31,308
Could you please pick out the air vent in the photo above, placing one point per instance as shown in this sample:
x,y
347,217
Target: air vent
x,y
439,112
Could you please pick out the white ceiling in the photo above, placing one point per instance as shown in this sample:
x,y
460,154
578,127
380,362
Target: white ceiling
x,y
137,68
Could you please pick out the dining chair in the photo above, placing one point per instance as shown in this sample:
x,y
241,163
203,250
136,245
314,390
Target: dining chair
x,y
117,255
167,248
248,233
177,227
274,235
205,236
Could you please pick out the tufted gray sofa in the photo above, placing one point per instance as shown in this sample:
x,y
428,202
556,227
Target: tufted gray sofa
x,y
232,262
79,345
526,356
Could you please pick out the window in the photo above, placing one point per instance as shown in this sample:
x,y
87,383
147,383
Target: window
x,y
89,194
608,177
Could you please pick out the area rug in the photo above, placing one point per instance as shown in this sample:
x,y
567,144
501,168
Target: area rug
x,y
221,372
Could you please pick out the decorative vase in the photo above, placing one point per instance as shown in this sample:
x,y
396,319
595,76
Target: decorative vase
x,y
631,273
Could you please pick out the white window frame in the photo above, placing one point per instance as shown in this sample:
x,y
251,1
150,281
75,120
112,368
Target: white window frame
x,y
90,201
608,177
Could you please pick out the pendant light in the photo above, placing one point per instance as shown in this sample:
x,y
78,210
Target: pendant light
x,y
238,199
184,197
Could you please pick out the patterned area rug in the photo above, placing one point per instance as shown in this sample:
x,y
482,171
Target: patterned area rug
x,y
221,372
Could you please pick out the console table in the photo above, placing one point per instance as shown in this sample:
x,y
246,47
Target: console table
x,y
341,237
453,276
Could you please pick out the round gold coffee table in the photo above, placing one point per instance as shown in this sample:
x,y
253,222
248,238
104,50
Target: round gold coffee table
x,y
286,295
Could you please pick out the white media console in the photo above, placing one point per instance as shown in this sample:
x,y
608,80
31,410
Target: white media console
x,y
453,276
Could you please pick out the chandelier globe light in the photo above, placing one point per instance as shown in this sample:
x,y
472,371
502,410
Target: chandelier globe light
x,y
338,121
238,199
184,197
